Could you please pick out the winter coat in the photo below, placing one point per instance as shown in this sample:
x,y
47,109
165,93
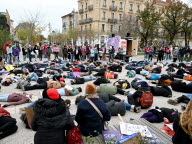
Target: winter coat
x,y
161,90
181,87
24,51
48,51
50,120
101,80
15,52
175,53
64,51
88,119
180,136
107,89
116,108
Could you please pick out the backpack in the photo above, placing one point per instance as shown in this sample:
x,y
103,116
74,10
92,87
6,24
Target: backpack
x,y
109,75
135,83
146,99
74,136
131,73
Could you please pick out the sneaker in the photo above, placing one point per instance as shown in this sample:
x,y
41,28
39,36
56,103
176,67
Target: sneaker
x,y
22,87
172,102
137,109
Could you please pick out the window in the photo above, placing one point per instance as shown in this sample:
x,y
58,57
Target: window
x,y
81,28
85,27
90,14
137,20
104,15
130,18
86,16
157,32
121,5
112,15
138,8
104,2
120,17
86,6
159,10
81,17
90,26
131,7
82,6
102,39
119,28
111,28
113,3
103,27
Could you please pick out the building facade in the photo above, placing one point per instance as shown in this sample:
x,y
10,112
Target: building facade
x,y
69,21
6,22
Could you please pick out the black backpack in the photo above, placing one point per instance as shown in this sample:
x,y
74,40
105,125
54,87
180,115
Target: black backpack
x,y
101,80
123,84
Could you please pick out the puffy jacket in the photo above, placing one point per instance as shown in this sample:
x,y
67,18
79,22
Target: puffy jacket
x,y
107,89
116,108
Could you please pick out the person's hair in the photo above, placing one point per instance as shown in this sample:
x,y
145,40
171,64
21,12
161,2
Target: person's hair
x,y
186,120
64,76
80,89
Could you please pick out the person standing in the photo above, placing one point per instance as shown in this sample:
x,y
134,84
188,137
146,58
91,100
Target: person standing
x,y
64,52
96,53
15,54
48,52
40,53
51,119
103,53
88,51
182,52
151,53
56,50
147,49
92,55
76,54
29,53
83,51
111,53
24,52
190,55
72,54
160,55
167,53
175,54
36,52
80,53
9,54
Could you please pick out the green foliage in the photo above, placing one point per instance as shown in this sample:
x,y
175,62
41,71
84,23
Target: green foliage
x,y
173,19
148,22
3,17
4,37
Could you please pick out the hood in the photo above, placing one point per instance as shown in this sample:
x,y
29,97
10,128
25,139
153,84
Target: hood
x,y
3,112
52,114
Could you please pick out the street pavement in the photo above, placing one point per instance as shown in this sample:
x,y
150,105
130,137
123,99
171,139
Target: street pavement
x,y
26,136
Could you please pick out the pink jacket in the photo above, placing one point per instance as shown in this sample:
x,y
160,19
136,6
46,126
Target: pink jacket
x,y
56,49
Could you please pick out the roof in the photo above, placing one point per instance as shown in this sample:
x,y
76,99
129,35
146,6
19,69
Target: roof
x,y
69,14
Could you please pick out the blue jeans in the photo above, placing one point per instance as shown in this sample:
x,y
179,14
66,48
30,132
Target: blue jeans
x,y
72,57
4,97
70,75
89,79
9,58
34,77
61,91
167,56
16,59
146,57
24,57
127,106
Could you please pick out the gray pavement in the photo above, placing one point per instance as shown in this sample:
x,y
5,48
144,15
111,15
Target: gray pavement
x,y
26,136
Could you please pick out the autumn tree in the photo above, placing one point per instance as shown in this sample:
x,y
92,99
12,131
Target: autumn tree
x,y
148,20
173,19
4,37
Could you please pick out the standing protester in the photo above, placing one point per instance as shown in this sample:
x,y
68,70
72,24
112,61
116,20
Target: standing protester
x,y
9,54
160,55
92,55
190,55
175,54
64,52
5,50
167,53
88,51
15,54
44,50
111,53
19,48
56,50
96,53
48,52
83,51
40,53
151,53
182,52
147,49
80,53
103,53
24,52
36,52
72,54
121,53
76,54
29,53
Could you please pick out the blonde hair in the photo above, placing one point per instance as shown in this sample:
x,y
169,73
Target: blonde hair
x,y
92,95
186,120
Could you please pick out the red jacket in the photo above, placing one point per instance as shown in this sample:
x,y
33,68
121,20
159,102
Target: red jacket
x,y
3,112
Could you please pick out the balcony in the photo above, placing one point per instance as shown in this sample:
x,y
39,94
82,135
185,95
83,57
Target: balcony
x,y
88,20
104,6
81,22
112,20
81,11
90,8
120,9
113,8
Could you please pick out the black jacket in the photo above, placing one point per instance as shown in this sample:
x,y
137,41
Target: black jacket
x,y
51,119
116,108
161,90
180,136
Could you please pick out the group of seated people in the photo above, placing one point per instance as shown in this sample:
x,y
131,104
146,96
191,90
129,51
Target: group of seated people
x,y
51,113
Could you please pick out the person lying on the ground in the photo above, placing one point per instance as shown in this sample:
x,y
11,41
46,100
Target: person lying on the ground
x,y
73,75
81,80
185,98
161,90
69,91
153,77
115,105
7,124
15,98
164,79
180,86
115,67
157,115
2,63
101,80
110,89
148,67
180,73
47,84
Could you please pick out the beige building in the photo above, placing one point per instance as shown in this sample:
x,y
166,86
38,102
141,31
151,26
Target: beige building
x,y
105,16
69,21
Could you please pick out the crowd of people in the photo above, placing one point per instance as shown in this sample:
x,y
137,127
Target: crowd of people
x,y
52,118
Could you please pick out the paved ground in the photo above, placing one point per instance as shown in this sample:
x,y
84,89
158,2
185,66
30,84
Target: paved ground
x,y
25,136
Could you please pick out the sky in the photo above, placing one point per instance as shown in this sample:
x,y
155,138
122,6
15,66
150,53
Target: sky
x,y
50,10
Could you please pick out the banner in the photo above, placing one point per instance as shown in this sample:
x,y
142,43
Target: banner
x,y
114,41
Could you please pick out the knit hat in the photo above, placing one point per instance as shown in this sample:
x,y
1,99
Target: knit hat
x,y
90,89
51,93
143,84
62,79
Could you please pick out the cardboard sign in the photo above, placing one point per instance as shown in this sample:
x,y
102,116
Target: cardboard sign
x,y
29,113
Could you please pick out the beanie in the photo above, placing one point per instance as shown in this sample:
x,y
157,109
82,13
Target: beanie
x,y
90,89
143,84
51,94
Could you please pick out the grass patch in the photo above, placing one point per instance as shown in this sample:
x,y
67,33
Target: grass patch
x,y
140,53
